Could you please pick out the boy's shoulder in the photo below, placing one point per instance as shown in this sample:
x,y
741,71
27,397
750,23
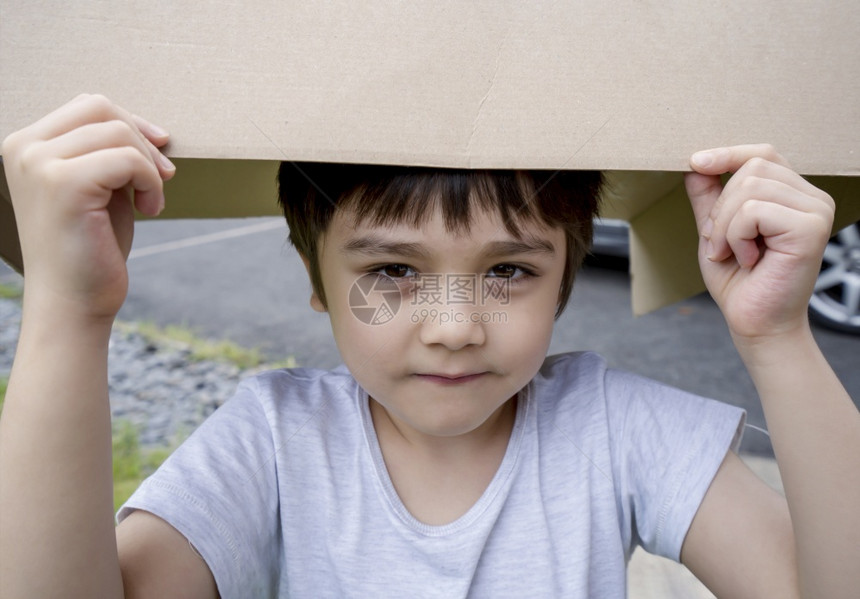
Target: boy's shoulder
x,y
296,394
569,364
582,384
590,371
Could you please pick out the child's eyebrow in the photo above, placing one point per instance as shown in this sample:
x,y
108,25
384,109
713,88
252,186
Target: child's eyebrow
x,y
373,245
532,245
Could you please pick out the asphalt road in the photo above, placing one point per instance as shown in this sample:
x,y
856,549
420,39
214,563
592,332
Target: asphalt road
x,y
241,280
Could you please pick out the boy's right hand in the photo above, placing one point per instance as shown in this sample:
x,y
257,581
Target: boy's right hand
x,y
75,177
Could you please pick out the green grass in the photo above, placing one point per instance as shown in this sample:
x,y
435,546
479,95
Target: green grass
x,y
10,291
131,464
205,349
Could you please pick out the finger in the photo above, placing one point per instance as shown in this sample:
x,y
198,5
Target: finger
x,y
96,136
87,109
703,185
110,169
764,169
759,227
59,121
704,192
84,109
166,168
755,189
718,161
742,236
155,134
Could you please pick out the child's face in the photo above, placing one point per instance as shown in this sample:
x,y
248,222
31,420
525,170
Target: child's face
x,y
463,339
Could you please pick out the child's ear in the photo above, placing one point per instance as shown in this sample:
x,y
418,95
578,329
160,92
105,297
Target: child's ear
x,y
316,302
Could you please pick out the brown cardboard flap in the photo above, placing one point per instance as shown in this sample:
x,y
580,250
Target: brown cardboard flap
x,y
221,189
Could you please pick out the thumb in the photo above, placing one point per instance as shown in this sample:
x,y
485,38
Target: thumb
x,y
704,192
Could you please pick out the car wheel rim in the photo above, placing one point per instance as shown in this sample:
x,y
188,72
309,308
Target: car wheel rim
x,y
837,290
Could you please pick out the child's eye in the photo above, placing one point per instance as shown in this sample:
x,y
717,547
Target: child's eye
x,y
509,271
396,271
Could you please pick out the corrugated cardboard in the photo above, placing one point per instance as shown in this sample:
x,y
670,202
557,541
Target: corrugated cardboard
x,y
624,86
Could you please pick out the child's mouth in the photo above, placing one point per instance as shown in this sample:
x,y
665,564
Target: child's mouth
x,y
445,379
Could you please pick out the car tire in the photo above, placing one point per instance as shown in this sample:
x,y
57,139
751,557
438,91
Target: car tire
x,y
835,302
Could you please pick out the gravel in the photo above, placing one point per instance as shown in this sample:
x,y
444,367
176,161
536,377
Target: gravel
x,y
156,387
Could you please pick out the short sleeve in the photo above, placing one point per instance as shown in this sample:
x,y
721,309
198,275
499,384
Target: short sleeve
x,y
666,452
219,489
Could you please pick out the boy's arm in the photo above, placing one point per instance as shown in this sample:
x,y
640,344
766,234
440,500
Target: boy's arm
x,y
762,238
75,177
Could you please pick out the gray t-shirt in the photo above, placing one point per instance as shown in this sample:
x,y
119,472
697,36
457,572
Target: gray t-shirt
x,y
284,491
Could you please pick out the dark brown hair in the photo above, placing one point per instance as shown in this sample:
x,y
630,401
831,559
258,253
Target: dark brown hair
x,y
310,192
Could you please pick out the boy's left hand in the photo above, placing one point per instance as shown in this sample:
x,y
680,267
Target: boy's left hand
x,y
762,237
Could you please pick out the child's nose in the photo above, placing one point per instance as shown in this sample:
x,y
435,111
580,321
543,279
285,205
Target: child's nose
x,y
455,327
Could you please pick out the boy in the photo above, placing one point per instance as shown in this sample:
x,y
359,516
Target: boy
x,y
447,458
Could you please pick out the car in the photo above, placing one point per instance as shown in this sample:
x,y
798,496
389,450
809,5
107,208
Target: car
x,y
835,302
611,238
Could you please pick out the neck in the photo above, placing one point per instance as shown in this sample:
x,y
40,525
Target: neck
x,y
489,435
